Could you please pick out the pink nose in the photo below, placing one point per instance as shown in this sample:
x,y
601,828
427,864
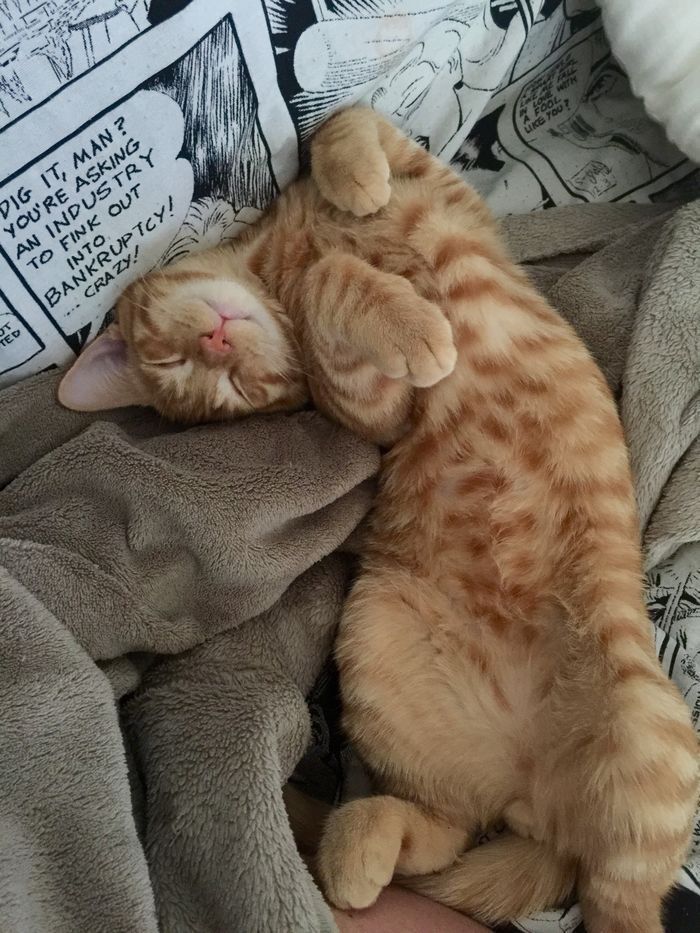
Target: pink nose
x,y
216,342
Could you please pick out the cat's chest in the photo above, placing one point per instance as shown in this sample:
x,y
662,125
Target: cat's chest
x,y
389,255
378,241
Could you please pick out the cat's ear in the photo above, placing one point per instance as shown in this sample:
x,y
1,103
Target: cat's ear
x,y
102,377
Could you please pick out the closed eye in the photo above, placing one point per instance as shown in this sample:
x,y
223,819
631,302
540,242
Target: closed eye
x,y
165,364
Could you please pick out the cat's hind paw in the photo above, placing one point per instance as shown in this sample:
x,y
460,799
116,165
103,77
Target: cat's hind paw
x,y
358,853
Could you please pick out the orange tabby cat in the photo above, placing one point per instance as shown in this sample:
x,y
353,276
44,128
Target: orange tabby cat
x,y
495,653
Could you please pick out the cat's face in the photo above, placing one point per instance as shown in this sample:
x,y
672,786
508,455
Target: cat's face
x,y
193,345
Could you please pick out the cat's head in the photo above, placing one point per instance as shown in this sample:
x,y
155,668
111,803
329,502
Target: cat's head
x,y
194,345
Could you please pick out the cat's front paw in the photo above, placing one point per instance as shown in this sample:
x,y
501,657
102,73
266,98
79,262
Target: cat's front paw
x,y
416,343
358,854
357,184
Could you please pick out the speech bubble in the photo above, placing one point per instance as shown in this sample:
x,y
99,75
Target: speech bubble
x,y
342,53
98,211
553,96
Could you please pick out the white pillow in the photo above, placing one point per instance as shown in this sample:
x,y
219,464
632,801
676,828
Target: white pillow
x,y
658,43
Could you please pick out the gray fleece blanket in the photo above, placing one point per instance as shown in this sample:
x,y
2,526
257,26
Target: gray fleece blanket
x,y
192,572
167,599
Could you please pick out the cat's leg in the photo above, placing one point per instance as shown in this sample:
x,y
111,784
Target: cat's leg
x,y
349,165
371,338
381,317
366,842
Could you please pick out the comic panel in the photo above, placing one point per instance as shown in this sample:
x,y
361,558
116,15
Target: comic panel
x,y
569,130
432,69
509,184
330,52
605,143
673,601
46,44
179,163
589,138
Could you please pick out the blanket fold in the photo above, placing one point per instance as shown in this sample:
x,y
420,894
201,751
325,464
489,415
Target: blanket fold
x,y
232,716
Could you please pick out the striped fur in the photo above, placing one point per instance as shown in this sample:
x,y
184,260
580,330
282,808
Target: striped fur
x,y
495,653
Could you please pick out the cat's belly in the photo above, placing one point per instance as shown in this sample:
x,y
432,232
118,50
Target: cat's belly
x,y
440,709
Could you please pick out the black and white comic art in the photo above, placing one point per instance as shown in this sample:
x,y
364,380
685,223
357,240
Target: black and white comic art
x,y
46,44
563,127
133,132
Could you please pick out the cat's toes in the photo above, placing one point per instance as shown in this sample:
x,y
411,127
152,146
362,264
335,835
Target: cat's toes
x,y
358,189
365,193
356,859
359,879
432,359
422,349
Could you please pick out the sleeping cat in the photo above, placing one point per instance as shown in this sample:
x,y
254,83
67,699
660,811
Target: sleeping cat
x,y
495,653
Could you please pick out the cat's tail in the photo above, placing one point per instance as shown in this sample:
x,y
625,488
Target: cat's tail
x,y
501,880
619,787
512,877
